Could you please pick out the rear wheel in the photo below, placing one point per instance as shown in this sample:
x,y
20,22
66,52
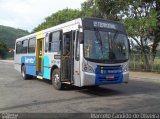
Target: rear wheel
x,y
57,84
23,72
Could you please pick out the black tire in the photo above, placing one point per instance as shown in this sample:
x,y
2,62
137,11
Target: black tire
x,y
23,72
57,84
93,87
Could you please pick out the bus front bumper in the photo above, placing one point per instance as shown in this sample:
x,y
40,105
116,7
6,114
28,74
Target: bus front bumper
x,y
89,79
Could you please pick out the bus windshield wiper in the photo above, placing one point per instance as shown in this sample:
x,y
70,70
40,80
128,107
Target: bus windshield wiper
x,y
115,36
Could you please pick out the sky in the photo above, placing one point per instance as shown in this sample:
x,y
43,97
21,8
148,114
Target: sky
x,y
28,14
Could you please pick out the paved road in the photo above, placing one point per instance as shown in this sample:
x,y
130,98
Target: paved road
x,y
17,95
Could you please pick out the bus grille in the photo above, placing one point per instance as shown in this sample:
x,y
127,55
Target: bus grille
x,y
108,74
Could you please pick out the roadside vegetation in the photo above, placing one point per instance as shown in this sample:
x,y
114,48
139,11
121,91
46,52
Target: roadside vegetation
x,y
140,17
142,21
3,50
8,35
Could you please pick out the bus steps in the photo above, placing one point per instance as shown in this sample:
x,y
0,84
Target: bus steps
x,y
39,77
39,73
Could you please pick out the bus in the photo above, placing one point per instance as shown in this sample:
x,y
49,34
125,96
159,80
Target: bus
x,y
81,52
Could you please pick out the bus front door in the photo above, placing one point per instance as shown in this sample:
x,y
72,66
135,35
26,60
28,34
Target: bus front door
x,y
67,57
39,58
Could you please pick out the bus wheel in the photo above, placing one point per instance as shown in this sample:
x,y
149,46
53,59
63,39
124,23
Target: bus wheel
x,y
23,72
57,84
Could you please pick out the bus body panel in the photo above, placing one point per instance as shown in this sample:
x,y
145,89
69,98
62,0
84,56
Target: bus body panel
x,y
77,73
46,67
30,64
125,77
101,73
49,62
18,60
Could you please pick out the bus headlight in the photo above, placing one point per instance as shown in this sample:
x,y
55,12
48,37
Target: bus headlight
x,y
125,67
87,68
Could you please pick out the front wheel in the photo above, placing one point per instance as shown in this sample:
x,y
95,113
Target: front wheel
x,y
57,84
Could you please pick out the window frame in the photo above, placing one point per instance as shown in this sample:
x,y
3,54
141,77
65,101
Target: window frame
x,y
49,44
33,38
24,47
20,47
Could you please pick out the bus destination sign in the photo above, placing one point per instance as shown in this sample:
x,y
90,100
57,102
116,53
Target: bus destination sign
x,y
91,23
104,25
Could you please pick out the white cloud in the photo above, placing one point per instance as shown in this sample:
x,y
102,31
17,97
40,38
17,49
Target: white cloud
x,y
27,14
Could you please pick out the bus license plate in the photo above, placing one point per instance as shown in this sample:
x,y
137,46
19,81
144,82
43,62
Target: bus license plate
x,y
110,77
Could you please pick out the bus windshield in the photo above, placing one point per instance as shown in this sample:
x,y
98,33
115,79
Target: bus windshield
x,y
105,46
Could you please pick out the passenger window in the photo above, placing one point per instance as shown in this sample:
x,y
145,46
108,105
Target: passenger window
x,y
54,42
24,46
32,44
18,47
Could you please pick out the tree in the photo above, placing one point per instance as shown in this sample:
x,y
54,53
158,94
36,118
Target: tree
x,y
111,8
141,19
3,50
8,35
89,8
58,18
156,32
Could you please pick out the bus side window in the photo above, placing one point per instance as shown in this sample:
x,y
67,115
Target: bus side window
x,y
54,42
47,42
18,47
32,45
24,46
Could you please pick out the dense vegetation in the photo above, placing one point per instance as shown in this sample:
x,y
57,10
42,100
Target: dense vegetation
x,y
8,35
141,18
3,50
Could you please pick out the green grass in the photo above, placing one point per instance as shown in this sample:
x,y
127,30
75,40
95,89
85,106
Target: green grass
x,y
137,64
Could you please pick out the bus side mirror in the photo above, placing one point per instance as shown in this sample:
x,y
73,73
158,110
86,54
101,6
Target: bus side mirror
x,y
80,37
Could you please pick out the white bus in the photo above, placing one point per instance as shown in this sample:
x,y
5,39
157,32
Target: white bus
x,y
81,52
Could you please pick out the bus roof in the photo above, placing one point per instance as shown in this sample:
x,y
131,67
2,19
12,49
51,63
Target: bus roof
x,y
54,28
88,22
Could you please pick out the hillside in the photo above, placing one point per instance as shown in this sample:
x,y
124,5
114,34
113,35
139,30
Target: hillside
x,y
8,35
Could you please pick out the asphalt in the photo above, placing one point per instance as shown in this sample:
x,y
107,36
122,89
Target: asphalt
x,y
145,75
140,95
133,74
